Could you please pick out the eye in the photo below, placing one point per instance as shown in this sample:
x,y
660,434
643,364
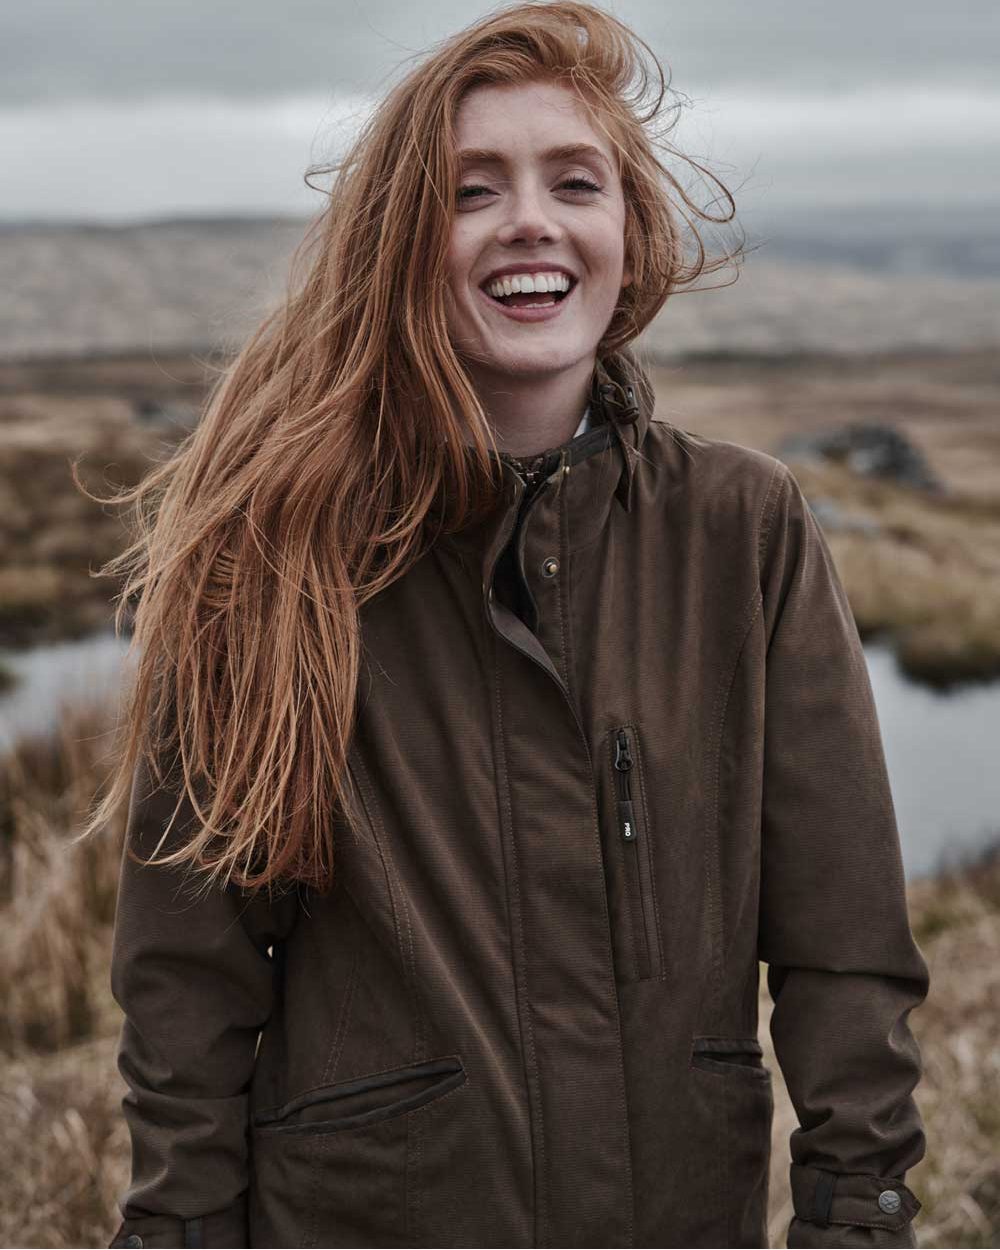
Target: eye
x,y
580,184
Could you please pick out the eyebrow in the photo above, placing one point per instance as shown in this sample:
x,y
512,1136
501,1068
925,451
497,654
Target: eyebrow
x,y
564,152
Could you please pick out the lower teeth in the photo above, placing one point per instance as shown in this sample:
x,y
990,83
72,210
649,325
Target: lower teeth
x,y
546,304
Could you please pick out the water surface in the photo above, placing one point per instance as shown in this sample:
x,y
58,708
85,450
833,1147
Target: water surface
x,y
941,748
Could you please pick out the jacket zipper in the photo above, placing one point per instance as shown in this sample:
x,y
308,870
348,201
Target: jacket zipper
x,y
636,856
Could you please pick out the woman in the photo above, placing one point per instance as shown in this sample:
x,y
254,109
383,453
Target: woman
x,y
504,729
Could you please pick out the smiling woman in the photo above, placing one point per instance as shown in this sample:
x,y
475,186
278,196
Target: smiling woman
x,y
498,782
529,211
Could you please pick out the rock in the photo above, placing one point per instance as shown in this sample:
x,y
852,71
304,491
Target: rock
x,y
872,449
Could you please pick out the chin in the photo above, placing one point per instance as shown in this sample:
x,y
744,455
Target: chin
x,y
544,358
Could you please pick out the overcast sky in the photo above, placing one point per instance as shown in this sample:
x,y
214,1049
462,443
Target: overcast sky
x,y
119,110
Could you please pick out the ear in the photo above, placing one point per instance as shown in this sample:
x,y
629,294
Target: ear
x,y
626,276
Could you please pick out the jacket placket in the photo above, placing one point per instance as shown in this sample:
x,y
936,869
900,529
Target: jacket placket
x,y
560,934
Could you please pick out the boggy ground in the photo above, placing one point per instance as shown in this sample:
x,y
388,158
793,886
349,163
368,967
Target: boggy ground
x,y
927,577
62,1134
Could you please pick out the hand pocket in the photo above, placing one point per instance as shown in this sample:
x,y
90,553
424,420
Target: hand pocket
x,y
363,1100
329,1167
746,1107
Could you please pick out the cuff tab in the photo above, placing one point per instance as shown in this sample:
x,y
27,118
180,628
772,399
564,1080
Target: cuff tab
x,y
226,1227
825,1197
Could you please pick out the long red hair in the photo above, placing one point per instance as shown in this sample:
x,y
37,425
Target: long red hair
x,y
308,487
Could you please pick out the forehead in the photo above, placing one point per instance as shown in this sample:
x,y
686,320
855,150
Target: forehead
x,y
527,119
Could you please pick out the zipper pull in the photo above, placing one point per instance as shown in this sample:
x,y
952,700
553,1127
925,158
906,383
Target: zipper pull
x,y
623,759
626,819
623,762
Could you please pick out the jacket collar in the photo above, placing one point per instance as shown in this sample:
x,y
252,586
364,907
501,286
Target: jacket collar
x,y
622,403
626,397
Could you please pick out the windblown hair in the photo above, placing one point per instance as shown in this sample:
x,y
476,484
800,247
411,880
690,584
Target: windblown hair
x,y
341,440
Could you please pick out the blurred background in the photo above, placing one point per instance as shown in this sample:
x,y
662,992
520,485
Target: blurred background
x,y
152,192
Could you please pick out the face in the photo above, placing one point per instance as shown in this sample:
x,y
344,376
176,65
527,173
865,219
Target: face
x,y
539,193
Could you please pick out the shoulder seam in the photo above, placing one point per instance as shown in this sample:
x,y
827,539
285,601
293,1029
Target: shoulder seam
x,y
766,519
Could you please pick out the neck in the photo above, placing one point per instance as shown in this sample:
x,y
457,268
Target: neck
x,y
532,413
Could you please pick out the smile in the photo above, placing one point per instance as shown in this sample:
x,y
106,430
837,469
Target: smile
x,y
548,306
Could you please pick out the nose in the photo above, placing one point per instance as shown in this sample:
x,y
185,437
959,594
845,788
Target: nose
x,y
529,219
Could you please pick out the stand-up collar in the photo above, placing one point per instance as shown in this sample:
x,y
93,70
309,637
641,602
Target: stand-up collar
x,y
622,402
625,393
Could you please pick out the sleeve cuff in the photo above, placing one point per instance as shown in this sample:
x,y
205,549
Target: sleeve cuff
x,y
863,1200
804,1235
227,1227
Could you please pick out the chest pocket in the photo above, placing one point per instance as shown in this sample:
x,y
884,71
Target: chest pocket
x,y
632,902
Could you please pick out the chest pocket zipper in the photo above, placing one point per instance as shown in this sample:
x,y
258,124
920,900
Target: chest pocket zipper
x,y
634,837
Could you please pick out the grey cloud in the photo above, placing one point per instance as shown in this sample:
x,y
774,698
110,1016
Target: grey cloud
x,y
121,49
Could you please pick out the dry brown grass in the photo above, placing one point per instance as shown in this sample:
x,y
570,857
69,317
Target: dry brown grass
x,y
960,1096
58,898
956,921
929,580
64,1139
66,1150
51,534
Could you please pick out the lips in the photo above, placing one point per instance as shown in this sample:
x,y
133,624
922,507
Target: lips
x,y
530,312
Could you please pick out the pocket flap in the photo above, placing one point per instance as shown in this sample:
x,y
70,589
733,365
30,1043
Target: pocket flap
x,y
726,1046
359,1101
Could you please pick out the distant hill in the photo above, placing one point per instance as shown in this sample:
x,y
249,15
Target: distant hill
x,y
836,281
890,239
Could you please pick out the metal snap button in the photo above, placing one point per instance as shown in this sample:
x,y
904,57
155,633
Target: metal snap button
x,y
889,1201
550,567
133,1241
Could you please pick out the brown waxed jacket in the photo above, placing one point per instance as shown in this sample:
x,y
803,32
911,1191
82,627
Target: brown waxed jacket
x,y
604,771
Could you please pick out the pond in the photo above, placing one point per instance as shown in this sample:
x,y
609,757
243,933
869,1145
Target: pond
x,y
940,747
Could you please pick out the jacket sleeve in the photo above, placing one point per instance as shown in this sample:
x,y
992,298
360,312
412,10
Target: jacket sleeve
x,y
195,982
844,971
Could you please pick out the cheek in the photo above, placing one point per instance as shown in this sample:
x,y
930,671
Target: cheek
x,y
610,246
456,296
620,242
459,258
612,269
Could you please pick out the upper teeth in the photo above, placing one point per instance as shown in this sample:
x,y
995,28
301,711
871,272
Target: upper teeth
x,y
527,283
